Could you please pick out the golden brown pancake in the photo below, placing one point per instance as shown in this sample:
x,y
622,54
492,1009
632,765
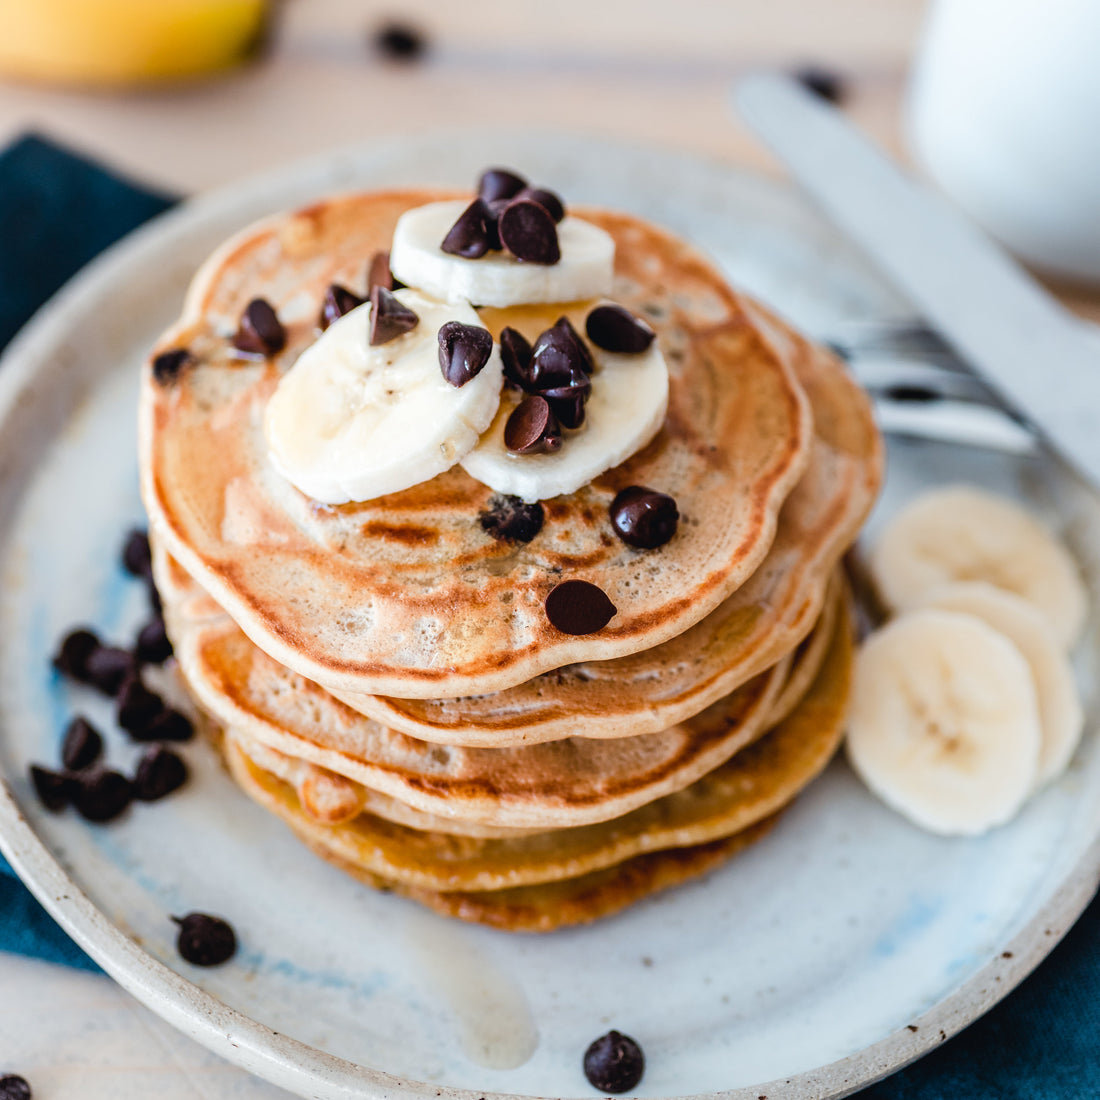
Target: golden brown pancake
x,y
406,595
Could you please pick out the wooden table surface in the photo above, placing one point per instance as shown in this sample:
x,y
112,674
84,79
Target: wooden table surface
x,y
658,73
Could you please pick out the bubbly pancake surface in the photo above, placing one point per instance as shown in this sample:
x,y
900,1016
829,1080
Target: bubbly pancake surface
x,y
406,595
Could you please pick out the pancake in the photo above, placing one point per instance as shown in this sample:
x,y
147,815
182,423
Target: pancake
x,y
758,624
754,784
406,595
558,784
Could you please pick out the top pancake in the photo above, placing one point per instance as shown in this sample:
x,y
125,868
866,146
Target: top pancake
x,y
406,595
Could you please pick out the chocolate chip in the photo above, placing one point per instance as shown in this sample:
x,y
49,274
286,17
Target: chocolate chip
x,y
260,331
532,428
614,1063
469,236
515,353
205,940
492,223
527,230
399,42
167,725
509,519
72,658
338,301
568,402
137,706
559,359
822,82
168,365
14,1087
83,745
579,607
159,772
499,183
548,200
616,329
389,318
644,518
379,273
137,558
53,788
153,646
463,351
106,668
101,795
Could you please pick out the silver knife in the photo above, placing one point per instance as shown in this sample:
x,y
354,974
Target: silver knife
x,y
1035,355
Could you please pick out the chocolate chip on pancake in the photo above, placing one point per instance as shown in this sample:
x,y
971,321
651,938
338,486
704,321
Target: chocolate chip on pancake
x,y
82,746
153,646
14,1087
614,1063
379,273
568,402
72,658
463,351
579,607
389,318
205,940
338,301
53,788
260,331
137,706
515,353
528,231
616,329
644,518
509,519
159,772
137,559
559,358
499,183
101,795
106,668
548,200
532,428
168,364
469,237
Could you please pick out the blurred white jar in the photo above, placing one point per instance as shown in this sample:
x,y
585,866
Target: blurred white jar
x,y
1004,114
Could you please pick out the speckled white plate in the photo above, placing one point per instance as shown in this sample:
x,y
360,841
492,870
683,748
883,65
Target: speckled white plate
x,y
844,945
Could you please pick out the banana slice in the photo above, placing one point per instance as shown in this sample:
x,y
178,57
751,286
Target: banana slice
x,y
498,278
960,533
1061,715
625,411
353,422
944,722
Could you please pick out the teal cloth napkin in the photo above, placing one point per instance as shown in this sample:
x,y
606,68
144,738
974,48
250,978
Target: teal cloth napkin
x,y
57,211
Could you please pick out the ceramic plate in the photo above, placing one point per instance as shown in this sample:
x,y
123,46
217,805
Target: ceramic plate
x,y
842,946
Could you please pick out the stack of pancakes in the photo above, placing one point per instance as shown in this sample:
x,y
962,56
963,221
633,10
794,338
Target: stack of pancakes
x,y
384,673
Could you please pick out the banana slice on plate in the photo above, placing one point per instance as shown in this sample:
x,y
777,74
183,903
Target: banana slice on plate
x,y
944,722
1060,712
352,421
962,533
625,411
498,278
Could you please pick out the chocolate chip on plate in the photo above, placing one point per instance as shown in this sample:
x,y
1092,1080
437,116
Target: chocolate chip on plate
x,y
579,607
509,519
614,1063
106,668
389,318
205,940
159,772
463,351
515,354
101,795
153,646
532,428
168,365
528,231
14,1087
616,329
822,82
137,558
644,518
82,746
499,183
379,273
52,787
167,725
399,42
550,201
71,658
338,301
260,331
469,237
137,705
